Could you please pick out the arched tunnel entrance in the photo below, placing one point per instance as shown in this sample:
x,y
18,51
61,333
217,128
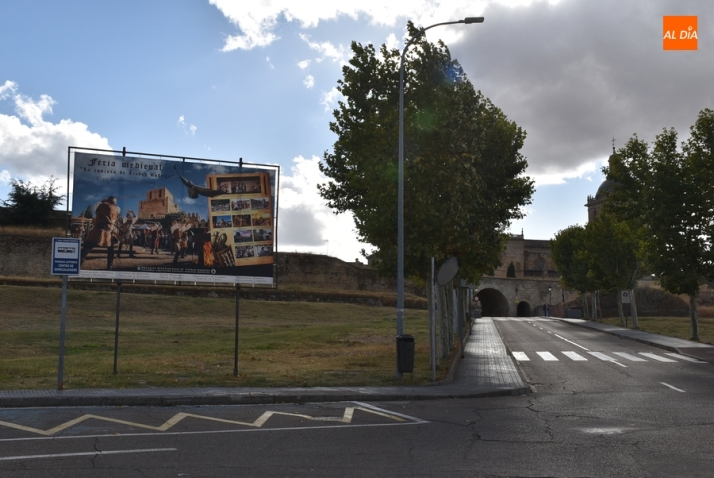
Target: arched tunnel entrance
x,y
523,309
493,303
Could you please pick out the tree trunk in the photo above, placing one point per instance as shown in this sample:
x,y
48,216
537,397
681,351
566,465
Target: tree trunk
x,y
451,299
432,318
594,311
619,308
445,322
586,309
633,309
694,317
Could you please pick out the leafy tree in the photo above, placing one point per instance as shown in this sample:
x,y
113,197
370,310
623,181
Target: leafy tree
x,y
28,204
669,192
88,213
609,251
464,174
566,251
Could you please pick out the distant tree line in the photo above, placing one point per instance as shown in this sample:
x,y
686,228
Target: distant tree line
x,y
659,219
31,205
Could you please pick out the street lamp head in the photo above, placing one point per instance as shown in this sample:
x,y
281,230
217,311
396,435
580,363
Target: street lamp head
x,y
549,288
468,20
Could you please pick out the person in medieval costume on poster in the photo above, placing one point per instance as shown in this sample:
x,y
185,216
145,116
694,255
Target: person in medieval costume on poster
x,y
105,230
126,234
178,235
155,237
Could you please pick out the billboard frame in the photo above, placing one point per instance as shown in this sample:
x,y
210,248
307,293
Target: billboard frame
x,y
177,276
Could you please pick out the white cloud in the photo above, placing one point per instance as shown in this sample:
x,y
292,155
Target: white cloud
x,y
392,42
34,149
7,89
309,81
306,223
329,99
258,20
555,176
188,129
303,64
326,50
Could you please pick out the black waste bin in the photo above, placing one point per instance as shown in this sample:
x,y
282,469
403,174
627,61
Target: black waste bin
x,y
405,353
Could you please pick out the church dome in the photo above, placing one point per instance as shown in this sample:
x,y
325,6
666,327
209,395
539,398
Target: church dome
x,y
605,188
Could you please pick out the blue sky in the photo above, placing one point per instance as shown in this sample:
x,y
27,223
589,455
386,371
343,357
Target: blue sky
x,y
225,79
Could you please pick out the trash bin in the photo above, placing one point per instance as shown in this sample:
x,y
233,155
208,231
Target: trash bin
x,y
405,353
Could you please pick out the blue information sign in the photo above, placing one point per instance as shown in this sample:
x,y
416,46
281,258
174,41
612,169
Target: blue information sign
x,y
65,256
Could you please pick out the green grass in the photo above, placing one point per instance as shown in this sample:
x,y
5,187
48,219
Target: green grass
x,y
679,327
186,341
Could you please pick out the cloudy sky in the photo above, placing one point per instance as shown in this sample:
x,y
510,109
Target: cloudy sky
x,y
225,79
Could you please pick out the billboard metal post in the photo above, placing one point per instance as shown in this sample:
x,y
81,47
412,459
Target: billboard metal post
x,y
235,360
116,329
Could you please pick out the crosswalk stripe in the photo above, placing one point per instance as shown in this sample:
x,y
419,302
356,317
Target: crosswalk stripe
x,y
520,356
630,357
684,357
574,356
547,356
656,357
605,358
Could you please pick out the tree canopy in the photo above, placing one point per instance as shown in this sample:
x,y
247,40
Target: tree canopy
x,y
566,250
463,171
28,204
668,191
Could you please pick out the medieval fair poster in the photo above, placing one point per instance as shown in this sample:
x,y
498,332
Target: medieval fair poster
x,y
158,219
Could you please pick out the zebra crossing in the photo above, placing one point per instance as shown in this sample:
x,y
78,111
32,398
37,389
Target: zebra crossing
x,y
581,356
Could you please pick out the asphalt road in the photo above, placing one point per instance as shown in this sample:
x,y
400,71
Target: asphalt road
x,y
591,417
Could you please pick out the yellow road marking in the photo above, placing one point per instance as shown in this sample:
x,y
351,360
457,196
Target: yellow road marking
x,y
168,424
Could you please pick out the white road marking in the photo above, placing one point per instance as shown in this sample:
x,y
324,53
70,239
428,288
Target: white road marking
x,y
605,358
656,357
684,357
547,356
673,388
630,357
571,342
574,356
521,356
90,453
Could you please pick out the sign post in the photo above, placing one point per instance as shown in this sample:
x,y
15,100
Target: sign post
x,y
625,299
65,263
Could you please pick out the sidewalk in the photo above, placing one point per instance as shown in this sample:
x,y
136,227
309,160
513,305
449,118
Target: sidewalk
x,y
485,370
685,347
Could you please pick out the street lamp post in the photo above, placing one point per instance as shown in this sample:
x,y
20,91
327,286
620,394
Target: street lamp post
x,y
550,300
400,188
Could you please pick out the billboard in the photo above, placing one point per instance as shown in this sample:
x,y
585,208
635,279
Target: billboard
x,y
148,218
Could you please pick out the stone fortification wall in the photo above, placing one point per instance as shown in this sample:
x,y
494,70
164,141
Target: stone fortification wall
x,y
25,256
29,256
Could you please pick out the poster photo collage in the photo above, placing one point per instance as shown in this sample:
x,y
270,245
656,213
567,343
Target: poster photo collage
x,y
241,218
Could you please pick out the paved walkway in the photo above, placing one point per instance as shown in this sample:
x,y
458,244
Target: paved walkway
x,y
485,370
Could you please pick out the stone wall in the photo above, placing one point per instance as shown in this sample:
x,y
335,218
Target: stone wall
x,y
25,256
30,256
